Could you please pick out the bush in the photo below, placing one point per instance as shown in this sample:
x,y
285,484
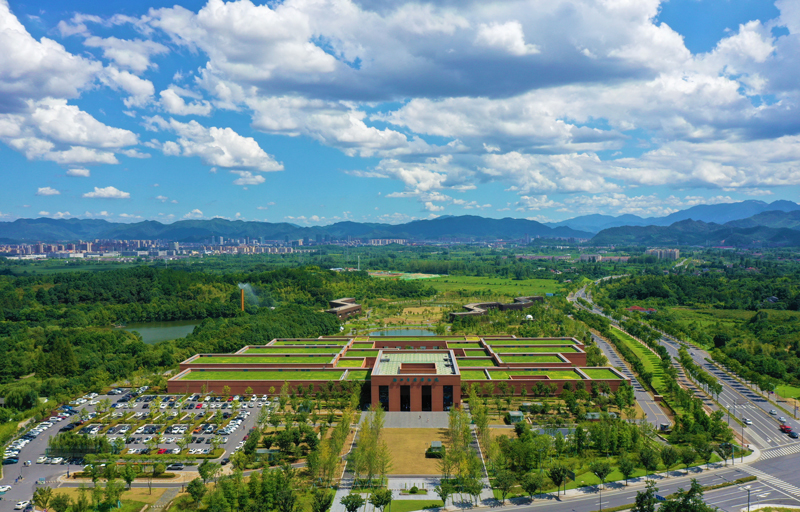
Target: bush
x,y
413,490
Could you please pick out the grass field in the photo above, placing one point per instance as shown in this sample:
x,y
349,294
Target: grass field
x,y
332,350
475,362
137,494
408,447
553,374
463,345
651,362
350,363
265,359
522,343
599,373
497,285
358,374
361,353
475,353
362,345
263,375
473,375
530,359
401,505
310,342
531,350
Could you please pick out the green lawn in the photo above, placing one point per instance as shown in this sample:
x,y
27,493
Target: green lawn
x,y
786,391
475,353
599,373
362,345
332,350
358,374
473,375
350,363
651,362
264,359
410,505
530,359
531,350
475,362
497,285
311,342
263,375
361,353
464,345
522,343
553,374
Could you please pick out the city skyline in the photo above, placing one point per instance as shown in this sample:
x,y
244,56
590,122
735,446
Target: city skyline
x,y
313,113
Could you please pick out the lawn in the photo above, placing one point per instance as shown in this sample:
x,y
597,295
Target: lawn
x,y
530,350
464,345
358,374
524,342
599,373
263,375
411,505
350,363
530,359
651,362
553,374
473,375
408,446
362,345
311,342
497,285
264,359
475,362
361,353
332,350
475,353
138,495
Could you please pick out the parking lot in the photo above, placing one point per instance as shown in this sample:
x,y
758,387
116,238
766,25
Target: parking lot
x,y
139,424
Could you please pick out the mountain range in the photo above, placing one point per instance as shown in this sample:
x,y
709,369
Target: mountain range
x,y
737,224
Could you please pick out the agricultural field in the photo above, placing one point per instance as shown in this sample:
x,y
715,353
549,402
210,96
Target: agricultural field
x,y
265,359
499,286
263,375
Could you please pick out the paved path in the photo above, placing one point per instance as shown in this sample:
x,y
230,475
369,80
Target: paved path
x,y
166,498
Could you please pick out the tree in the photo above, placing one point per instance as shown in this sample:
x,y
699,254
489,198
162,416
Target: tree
x,y
81,503
626,467
687,501
42,496
601,469
59,502
705,451
226,390
352,502
646,500
503,481
649,459
207,469
129,473
687,457
444,490
196,489
669,456
533,482
558,474
321,500
248,390
474,487
380,498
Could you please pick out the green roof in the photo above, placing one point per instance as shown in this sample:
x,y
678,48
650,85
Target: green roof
x,y
390,361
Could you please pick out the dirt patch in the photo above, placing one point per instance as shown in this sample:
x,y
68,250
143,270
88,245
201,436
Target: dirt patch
x,y
408,447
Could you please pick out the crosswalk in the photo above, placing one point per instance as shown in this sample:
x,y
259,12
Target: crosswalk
x,y
780,451
775,482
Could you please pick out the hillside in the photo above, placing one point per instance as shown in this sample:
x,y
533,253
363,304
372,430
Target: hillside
x,y
690,232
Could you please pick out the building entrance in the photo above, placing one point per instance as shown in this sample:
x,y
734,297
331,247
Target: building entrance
x,y
405,398
427,402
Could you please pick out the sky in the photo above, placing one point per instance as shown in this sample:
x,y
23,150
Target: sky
x,y
319,111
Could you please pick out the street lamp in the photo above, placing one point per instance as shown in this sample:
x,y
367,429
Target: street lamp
x,y
747,488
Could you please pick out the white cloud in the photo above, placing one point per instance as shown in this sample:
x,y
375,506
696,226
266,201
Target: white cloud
x,y
62,215
247,178
174,104
163,199
107,193
132,153
131,54
140,90
44,213
507,36
429,206
79,172
194,214
221,147
67,124
47,191
129,216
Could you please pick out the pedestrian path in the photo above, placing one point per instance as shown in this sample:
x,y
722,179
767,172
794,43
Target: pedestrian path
x,y
775,482
165,499
780,451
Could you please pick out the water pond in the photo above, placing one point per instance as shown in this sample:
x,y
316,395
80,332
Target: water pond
x,y
153,332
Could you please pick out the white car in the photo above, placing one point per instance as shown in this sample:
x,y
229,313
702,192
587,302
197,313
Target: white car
x,y
21,505
57,460
747,421
5,488
41,459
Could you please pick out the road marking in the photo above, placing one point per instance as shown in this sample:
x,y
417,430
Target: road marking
x,y
775,482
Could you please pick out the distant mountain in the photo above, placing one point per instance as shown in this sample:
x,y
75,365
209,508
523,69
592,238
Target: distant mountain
x,y
698,233
772,219
467,226
716,213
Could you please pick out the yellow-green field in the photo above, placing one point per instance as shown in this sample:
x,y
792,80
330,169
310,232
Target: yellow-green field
x,y
498,285
408,447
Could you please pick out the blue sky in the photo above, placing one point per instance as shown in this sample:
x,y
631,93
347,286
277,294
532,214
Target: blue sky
x,y
316,111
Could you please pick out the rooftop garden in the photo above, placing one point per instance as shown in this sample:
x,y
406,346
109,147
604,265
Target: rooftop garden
x,y
361,353
476,362
600,373
311,342
529,350
332,350
553,374
475,353
509,341
362,345
464,345
473,375
350,363
263,359
358,374
263,375
530,359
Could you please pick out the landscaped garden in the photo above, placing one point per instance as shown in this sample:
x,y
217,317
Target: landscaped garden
x,y
264,359
530,359
476,362
263,375
527,350
350,363
552,374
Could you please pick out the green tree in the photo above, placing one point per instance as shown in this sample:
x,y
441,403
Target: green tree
x,y
649,458
129,473
207,469
601,469
42,496
533,482
558,474
321,500
380,498
196,489
444,490
60,502
504,480
688,456
687,501
669,456
626,467
352,502
646,500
